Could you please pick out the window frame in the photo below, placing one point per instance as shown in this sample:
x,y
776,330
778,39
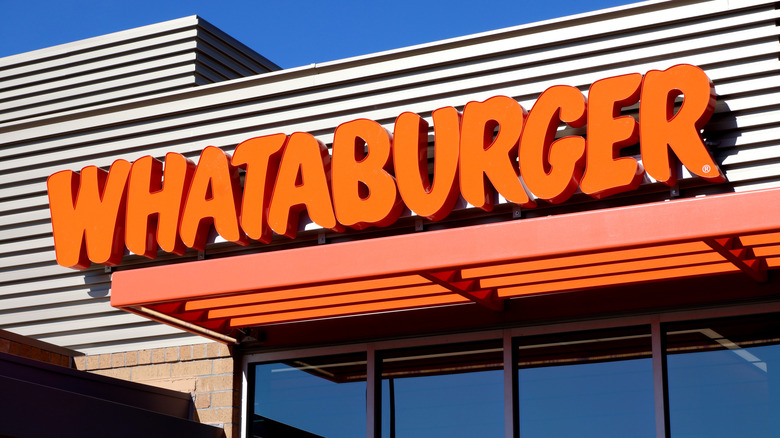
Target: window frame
x,y
655,321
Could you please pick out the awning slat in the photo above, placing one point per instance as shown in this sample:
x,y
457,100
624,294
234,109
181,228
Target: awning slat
x,y
485,264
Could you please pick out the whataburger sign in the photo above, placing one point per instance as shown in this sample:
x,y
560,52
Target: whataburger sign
x,y
371,174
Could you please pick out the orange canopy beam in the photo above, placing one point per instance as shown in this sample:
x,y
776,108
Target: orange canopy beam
x,y
731,249
652,224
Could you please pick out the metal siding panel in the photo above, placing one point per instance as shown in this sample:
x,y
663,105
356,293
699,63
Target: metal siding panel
x,y
83,282
143,340
26,216
28,201
107,91
95,84
20,231
70,73
92,49
535,80
27,258
116,335
234,49
117,65
32,272
27,245
39,328
90,307
234,69
57,296
522,41
208,65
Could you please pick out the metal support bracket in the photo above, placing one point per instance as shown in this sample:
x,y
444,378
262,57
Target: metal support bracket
x,y
674,191
470,289
732,249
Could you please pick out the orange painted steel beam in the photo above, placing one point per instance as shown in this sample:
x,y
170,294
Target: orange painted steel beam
x,y
328,301
767,251
470,289
168,308
306,292
558,263
354,309
773,262
651,224
617,279
732,250
760,239
582,272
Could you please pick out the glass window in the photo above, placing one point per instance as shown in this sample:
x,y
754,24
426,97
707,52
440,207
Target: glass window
x,y
723,380
586,384
724,377
450,390
323,396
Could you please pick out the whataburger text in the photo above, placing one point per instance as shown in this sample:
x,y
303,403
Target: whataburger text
x,y
371,174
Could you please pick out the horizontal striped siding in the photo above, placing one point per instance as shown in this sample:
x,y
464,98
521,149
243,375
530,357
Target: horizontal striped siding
x,y
135,63
737,47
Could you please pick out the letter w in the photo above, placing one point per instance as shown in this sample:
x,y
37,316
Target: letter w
x,y
87,215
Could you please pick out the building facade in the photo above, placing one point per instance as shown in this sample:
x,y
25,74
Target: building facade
x,y
393,244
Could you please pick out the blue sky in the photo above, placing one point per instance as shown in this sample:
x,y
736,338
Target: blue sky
x,y
290,33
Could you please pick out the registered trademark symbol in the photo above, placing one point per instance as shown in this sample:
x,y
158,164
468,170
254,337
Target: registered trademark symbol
x,y
706,168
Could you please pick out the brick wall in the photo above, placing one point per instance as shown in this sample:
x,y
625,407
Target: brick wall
x,y
29,348
206,371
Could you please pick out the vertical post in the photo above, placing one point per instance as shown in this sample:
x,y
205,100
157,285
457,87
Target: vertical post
x,y
373,393
660,381
511,421
246,418
391,395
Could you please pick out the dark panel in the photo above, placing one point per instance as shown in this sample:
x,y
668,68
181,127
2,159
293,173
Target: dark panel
x,y
31,410
154,399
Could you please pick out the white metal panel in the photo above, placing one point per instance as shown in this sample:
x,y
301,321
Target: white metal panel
x,y
31,272
328,73
735,42
112,68
8,205
91,340
275,111
83,282
138,338
44,328
52,291
89,307
24,216
172,79
57,296
27,258
26,245
66,87
17,231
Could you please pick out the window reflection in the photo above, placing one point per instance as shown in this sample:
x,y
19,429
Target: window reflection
x,y
723,377
586,384
452,391
722,382
315,397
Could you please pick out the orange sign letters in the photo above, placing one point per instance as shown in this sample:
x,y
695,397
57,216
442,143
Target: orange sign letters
x,y
371,174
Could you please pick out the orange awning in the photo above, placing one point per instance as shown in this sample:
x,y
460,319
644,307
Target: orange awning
x,y
485,264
